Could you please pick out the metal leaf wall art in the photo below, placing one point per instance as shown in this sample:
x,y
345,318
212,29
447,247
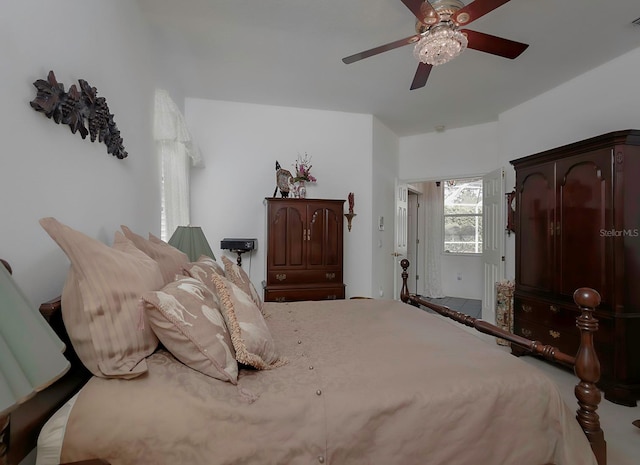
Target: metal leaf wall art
x,y
82,110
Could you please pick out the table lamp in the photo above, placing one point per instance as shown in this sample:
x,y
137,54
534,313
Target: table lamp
x,y
30,353
191,240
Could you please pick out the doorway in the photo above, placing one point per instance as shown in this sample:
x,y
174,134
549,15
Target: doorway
x,y
467,276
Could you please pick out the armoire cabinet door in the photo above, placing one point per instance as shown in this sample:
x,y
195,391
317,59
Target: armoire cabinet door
x,y
324,245
287,230
584,215
536,228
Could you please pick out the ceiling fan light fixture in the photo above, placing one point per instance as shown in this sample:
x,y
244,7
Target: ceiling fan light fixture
x,y
440,44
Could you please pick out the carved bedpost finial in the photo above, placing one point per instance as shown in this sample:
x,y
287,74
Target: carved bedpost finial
x,y
587,368
404,292
586,298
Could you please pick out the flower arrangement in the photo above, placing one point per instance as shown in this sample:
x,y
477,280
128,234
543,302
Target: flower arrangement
x,y
303,169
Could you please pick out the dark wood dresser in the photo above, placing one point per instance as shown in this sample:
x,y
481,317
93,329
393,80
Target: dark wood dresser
x,y
304,250
577,225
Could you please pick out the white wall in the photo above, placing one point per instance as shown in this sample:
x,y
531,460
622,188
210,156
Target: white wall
x,y
450,154
602,100
385,172
47,171
241,143
470,271
456,153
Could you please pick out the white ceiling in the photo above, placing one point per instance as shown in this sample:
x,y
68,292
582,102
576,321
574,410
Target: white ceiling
x,y
288,52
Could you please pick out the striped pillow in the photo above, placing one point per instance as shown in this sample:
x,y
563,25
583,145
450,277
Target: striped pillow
x,y
100,301
170,259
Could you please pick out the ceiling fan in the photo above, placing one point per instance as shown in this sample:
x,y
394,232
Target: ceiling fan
x,y
439,38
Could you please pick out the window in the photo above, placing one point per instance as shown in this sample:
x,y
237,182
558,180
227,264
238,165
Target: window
x,y
463,216
177,154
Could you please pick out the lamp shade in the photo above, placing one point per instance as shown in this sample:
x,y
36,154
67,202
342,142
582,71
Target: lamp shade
x,y
191,240
30,352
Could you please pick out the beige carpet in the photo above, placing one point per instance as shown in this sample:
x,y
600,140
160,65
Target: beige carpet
x,y
623,438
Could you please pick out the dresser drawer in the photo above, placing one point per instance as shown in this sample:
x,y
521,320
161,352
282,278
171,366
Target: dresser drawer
x,y
567,339
545,313
561,317
302,293
304,277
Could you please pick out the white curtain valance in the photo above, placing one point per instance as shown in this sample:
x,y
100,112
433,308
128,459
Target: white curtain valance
x,y
169,127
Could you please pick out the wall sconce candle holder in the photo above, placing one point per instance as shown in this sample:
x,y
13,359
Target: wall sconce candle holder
x,y
511,212
349,216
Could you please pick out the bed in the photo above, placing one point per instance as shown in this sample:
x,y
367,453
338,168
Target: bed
x,y
363,381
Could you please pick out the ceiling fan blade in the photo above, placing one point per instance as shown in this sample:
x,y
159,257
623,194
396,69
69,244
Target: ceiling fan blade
x,y
422,10
422,74
476,9
380,49
495,45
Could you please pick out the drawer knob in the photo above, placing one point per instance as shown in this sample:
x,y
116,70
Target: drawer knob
x,y
554,334
330,276
281,277
526,308
554,309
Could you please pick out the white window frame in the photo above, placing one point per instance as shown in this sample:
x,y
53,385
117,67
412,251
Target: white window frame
x,y
477,215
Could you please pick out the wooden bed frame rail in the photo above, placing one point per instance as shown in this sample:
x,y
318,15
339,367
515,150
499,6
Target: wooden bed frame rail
x,y
585,362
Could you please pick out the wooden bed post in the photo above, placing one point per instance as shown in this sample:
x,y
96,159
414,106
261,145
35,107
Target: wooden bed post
x,y
404,292
587,368
585,363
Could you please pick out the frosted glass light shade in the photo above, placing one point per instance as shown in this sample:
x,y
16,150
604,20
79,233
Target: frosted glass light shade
x,y
30,352
191,240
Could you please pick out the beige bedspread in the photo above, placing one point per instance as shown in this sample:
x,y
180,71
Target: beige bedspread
x,y
368,382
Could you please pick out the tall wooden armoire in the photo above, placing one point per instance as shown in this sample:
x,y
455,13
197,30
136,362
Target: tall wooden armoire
x,y
578,225
304,250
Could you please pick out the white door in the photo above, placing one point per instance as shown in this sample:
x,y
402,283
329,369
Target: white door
x,y
401,234
413,240
493,227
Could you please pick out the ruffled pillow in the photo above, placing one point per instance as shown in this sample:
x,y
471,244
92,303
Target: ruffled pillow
x,y
239,277
185,316
250,335
203,270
